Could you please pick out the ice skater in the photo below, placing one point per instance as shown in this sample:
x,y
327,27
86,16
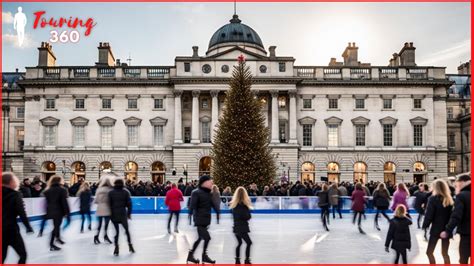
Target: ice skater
x,y
121,210
399,234
323,204
200,208
173,200
103,211
57,208
334,195
381,199
85,198
400,196
241,206
13,207
358,205
421,198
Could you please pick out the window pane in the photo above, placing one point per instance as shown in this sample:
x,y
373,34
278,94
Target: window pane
x,y
106,136
417,103
187,67
79,103
132,104
282,67
79,136
307,103
158,103
132,135
307,135
50,104
360,135
418,135
50,135
332,103
387,135
206,132
332,135
20,112
158,135
106,103
282,132
387,103
360,103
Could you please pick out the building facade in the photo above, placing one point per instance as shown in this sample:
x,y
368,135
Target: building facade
x,y
342,122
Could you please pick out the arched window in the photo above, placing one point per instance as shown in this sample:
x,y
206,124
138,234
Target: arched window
x,y
158,172
419,172
105,166
131,171
333,172
48,169
308,172
205,164
360,172
78,171
389,175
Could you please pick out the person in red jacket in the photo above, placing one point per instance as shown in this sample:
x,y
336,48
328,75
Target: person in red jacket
x,y
358,205
173,200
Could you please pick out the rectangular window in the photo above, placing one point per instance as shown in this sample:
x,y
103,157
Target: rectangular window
x,y
388,135
282,132
187,135
282,66
106,136
417,103
106,103
307,135
204,103
418,135
50,136
158,135
333,139
206,132
132,135
79,104
360,135
79,136
452,166
360,103
452,140
158,104
20,112
333,103
282,102
132,103
450,113
387,103
307,104
187,67
20,136
50,104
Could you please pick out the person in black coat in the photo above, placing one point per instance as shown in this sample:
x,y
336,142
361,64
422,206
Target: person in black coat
x,y
420,201
25,188
241,206
200,208
323,204
13,207
85,199
438,211
399,234
461,218
121,210
57,207
381,199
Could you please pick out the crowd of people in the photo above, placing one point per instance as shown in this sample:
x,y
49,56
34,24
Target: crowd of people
x,y
442,208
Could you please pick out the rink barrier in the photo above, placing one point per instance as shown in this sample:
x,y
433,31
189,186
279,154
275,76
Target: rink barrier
x,y
35,207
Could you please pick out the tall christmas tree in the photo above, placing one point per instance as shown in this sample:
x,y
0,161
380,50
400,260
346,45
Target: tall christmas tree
x,y
240,149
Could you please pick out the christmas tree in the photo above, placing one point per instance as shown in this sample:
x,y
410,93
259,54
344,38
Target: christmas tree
x,y
240,149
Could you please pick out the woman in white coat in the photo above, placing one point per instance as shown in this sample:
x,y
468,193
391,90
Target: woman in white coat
x,y
103,211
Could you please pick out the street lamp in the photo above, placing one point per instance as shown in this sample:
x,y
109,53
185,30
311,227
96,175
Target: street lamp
x,y
64,169
185,173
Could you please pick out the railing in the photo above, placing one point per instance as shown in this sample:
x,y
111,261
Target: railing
x,y
132,72
417,73
52,73
332,73
305,72
158,72
81,72
106,72
388,73
360,73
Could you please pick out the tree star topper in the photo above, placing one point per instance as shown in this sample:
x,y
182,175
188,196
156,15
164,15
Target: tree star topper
x,y
241,58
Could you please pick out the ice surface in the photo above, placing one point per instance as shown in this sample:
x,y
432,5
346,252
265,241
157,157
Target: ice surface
x,y
277,238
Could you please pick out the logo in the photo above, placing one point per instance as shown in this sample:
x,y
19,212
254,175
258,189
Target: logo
x,y
19,23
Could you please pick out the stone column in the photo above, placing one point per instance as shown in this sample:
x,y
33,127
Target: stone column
x,y
275,121
292,117
178,135
214,111
195,118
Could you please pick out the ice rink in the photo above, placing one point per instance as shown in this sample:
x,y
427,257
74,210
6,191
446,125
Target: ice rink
x,y
278,238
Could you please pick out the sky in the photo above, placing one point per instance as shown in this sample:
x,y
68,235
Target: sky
x,y
155,33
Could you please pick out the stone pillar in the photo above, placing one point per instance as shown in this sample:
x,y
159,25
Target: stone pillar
x,y
214,111
195,118
292,117
178,135
275,121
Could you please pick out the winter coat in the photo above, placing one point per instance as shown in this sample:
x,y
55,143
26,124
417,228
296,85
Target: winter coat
x,y
85,199
56,202
13,207
120,204
399,197
358,200
420,199
323,197
102,201
461,215
216,200
25,191
342,191
241,215
436,215
200,206
333,194
399,234
381,199
173,199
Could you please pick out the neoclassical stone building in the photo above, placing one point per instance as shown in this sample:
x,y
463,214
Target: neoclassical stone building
x,y
345,121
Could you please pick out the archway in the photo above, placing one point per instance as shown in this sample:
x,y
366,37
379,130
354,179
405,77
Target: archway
x,y
78,171
158,172
105,166
360,172
308,172
131,171
389,175
333,172
205,164
48,169
419,172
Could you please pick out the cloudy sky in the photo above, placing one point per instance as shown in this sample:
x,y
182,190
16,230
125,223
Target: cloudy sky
x,y
154,33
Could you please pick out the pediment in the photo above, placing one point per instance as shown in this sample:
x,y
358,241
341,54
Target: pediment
x,y
360,120
333,120
49,121
158,121
236,51
307,121
132,121
106,121
388,120
79,121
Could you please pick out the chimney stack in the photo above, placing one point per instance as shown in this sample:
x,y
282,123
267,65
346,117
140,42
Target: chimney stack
x,y
465,69
272,51
46,56
195,51
106,57
350,55
407,55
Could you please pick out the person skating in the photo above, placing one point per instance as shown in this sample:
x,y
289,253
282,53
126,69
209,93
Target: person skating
x,y
358,205
334,195
173,200
241,206
323,204
85,198
103,211
200,209
13,207
381,199
438,212
461,218
399,234
121,210
421,198
400,197
57,207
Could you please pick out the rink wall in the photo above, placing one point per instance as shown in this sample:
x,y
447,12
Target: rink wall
x,y
35,207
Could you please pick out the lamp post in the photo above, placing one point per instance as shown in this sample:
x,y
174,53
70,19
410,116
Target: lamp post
x,y
185,173
64,169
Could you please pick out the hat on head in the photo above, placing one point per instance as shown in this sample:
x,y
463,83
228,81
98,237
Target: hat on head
x,y
463,178
203,179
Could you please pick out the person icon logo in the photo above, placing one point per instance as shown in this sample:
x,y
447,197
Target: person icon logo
x,y
19,24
